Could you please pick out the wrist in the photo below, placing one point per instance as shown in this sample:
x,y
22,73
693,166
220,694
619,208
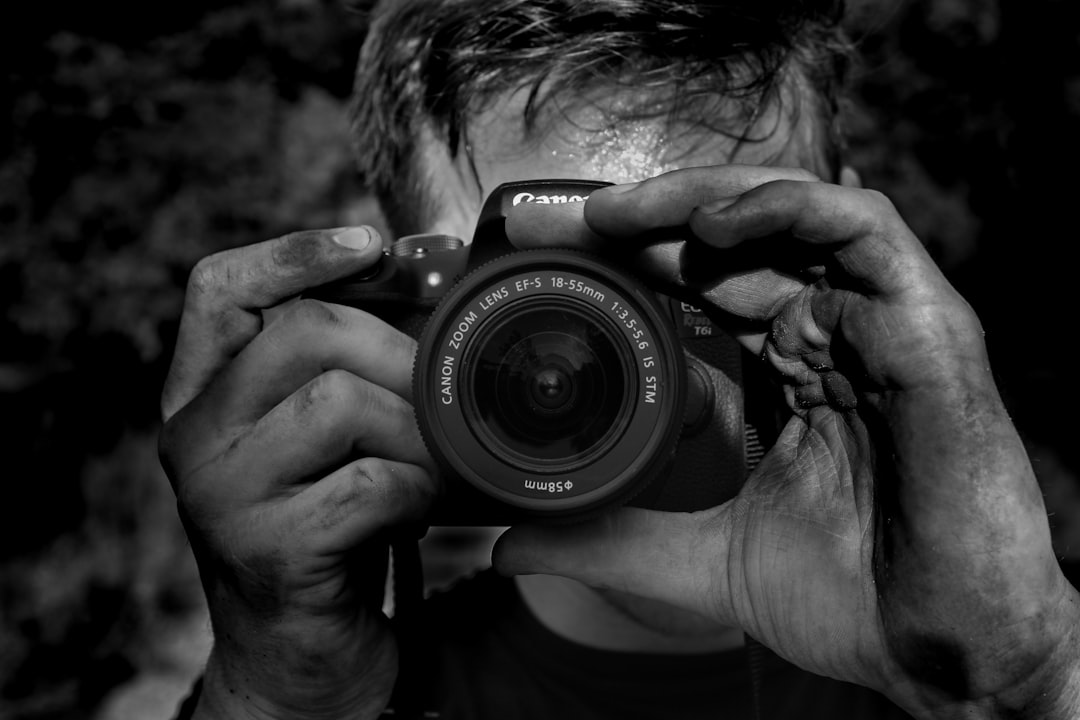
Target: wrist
x,y
1052,690
1048,688
288,683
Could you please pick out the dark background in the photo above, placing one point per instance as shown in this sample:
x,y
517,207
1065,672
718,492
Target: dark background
x,y
139,137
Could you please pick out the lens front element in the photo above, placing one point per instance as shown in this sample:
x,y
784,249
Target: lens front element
x,y
550,384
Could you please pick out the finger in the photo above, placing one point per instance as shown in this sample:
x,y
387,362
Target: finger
x,y
357,501
668,200
751,294
664,556
859,229
307,339
332,420
226,291
627,211
529,225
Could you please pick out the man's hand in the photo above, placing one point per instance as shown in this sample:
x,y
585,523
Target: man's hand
x,y
895,535
292,449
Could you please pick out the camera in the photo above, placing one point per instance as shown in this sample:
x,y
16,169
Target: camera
x,y
552,384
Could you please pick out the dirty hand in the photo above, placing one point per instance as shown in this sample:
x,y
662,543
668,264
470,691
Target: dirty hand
x,y
895,535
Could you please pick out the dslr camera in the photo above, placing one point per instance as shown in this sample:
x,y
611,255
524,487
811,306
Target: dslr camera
x,y
552,384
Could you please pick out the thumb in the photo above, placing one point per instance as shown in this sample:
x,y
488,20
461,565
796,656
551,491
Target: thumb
x,y
677,558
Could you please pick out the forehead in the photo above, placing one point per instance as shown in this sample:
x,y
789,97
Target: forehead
x,y
618,137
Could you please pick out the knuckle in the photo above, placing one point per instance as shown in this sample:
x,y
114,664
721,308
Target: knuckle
x,y
355,493
365,477
882,214
192,501
208,276
360,490
879,199
207,302
309,313
388,485
332,390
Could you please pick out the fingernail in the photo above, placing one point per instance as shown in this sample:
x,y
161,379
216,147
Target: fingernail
x,y
354,238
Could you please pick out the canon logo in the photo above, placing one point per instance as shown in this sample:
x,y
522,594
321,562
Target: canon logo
x,y
547,199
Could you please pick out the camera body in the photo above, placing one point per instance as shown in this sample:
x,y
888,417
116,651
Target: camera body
x,y
551,385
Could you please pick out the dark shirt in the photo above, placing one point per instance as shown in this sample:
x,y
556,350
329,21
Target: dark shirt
x,y
488,658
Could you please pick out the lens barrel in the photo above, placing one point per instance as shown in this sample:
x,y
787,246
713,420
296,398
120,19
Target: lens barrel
x,y
551,382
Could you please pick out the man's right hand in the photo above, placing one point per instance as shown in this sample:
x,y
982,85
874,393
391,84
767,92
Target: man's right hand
x,y
293,452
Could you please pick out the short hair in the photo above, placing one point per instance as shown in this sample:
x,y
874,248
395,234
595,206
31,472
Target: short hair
x,y
427,66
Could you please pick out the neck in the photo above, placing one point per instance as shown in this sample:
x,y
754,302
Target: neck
x,y
610,620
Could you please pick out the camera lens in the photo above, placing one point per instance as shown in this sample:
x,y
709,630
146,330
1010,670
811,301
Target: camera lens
x,y
550,385
551,382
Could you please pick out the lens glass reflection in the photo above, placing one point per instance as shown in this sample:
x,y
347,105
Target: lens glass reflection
x,y
549,385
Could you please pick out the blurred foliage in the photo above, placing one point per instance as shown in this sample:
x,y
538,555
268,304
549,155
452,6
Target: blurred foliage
x,y
969,119
140,137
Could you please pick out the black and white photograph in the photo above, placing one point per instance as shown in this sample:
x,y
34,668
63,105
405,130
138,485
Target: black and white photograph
x,y
540,360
